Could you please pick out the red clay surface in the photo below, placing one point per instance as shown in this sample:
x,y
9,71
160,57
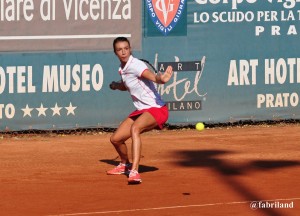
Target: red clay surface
x,y
185,172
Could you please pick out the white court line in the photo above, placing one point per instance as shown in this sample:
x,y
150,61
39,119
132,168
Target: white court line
x,y
171,207
51,37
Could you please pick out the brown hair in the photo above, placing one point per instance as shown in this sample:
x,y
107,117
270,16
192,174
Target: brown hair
x,y
120,39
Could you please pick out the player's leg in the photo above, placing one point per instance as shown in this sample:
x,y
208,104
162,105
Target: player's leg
x,y
143,123
119,137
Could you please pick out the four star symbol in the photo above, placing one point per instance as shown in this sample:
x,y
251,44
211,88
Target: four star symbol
x,y
70,109
56,110
42,110
27,111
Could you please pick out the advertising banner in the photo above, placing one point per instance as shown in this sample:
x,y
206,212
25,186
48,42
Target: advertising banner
x,y
59,25
232,60
248,52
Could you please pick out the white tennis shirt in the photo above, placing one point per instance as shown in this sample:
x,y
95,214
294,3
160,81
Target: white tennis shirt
x,y
143,91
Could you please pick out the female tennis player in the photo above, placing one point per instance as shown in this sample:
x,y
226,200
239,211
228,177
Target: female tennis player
x,y
151,111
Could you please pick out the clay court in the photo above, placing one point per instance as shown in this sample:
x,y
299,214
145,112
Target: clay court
x,y
218,171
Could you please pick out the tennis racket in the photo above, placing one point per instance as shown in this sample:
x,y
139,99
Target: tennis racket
x,y
150,66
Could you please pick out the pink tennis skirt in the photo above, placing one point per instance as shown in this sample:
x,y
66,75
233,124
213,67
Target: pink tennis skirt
x,y
160,114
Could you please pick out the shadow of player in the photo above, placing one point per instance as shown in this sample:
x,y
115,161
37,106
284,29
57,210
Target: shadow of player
x,y
142,168
226,170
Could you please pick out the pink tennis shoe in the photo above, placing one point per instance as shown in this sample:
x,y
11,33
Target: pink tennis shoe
x,y
134,177
120,169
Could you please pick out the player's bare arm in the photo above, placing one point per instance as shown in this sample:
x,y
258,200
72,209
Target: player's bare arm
x,y
118,86
159,78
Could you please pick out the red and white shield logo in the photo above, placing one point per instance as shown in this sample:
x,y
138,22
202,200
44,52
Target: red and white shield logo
x,y
166,10
165,14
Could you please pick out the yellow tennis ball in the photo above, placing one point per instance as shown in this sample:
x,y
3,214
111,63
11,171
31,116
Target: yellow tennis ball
x,y
200,126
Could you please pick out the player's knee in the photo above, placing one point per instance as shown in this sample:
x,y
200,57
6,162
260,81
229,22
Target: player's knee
x,y
135,130
115,141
